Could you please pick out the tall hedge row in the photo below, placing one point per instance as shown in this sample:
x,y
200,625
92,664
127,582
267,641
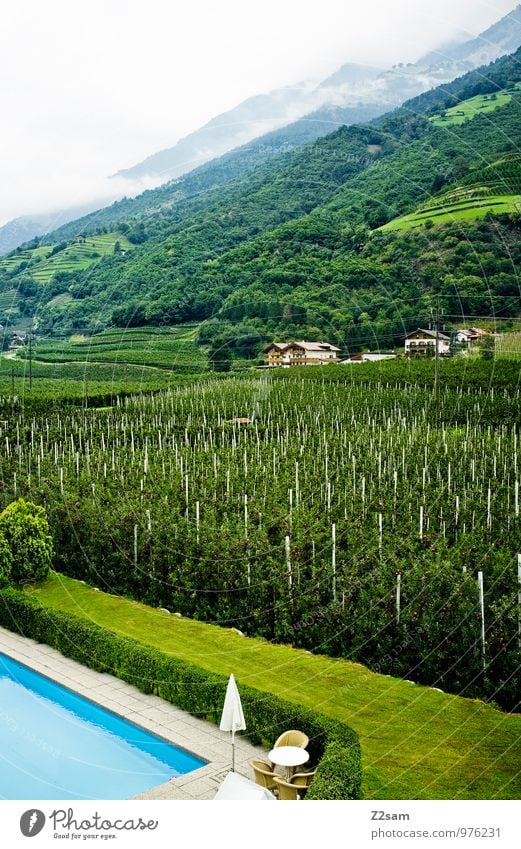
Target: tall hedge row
x,y
333,746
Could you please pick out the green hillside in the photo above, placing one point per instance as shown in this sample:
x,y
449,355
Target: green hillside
x,y
482,104
43,262
296,249
494,189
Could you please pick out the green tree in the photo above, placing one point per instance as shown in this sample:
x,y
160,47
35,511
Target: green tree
x,y
487,347
219,356
26,531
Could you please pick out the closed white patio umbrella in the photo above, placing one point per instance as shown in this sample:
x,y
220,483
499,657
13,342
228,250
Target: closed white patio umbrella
x,y
232,718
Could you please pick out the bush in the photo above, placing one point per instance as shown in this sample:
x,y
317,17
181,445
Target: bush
x,y
26,532
334,747
6,561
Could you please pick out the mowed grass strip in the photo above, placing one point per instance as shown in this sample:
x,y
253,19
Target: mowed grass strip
x,y
417,743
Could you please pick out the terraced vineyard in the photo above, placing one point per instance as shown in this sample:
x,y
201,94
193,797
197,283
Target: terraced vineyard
x,y
494,188
8,300
42,264
103,366
171,349
482,104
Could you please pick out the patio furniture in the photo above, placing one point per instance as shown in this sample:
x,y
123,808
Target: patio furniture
x,y
263,774
288,757
302,780
292,738
287,791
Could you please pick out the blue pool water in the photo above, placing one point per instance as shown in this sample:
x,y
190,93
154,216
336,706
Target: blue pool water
x,y
54,744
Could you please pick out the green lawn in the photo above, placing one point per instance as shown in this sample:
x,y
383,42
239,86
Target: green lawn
x,y
417,743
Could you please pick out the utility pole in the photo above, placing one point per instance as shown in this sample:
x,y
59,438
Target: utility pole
x,y
30,359
437,359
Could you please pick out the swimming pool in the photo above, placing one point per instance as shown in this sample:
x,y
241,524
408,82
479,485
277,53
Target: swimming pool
x,y
55,744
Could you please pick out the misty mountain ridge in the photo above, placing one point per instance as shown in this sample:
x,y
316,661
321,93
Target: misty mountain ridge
x,y
287,118
501,38
252,118
352,85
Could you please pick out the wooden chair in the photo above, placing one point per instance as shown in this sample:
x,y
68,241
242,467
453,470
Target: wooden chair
x,y
263,774
302,780
287,791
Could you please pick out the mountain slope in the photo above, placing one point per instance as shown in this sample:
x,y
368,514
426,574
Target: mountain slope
x,y
249,120
289,251
21,230
353,94
351,86
501,38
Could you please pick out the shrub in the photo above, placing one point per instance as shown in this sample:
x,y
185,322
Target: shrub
x,y
6,561
334,747
26,531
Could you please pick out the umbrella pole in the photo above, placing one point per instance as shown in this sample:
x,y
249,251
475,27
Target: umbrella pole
x,y
233,751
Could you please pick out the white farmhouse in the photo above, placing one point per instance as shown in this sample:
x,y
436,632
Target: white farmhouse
x,y
284,355
422,343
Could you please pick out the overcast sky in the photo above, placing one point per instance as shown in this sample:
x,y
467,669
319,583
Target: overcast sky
x,y
89,88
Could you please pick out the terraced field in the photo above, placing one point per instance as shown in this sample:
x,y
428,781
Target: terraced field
x,y
147,353
40,264
457,206
104,366
494,188
482,104
8,300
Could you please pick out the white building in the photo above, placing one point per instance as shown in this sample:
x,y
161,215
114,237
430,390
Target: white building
x,y
422,343
470,336
369,357
283,355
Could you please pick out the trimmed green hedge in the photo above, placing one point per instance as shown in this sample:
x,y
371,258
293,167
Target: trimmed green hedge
x,y
333,746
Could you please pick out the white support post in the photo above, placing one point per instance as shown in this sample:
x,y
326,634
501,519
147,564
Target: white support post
x,y
333,559
398,596
482,612
288,563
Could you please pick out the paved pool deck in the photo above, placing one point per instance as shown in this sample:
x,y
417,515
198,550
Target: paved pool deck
x,y
198,736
